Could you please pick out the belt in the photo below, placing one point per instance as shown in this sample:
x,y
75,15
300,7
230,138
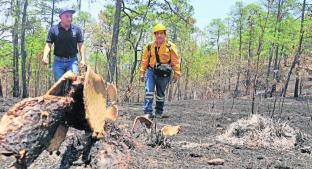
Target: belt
x,y
73,56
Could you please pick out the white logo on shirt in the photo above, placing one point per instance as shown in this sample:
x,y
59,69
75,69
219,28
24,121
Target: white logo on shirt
x,y
74,34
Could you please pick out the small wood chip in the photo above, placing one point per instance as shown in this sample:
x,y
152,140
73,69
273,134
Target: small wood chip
x,y
216,161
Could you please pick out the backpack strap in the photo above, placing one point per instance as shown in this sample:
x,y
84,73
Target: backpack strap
x,y
168,45
157,55
149,48
149,52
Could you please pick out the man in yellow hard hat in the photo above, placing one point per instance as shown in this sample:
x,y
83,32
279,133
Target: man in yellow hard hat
x,y
160,62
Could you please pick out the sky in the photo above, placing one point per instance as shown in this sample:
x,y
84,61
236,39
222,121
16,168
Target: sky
x,y
205,10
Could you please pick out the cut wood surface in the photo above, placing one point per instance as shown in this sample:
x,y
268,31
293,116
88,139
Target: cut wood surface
x,y
94,94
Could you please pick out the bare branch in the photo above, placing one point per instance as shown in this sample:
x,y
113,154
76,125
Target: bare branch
x,y
131,10
144,18
176,12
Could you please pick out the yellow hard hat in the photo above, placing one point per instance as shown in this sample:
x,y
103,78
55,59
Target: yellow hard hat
x,y
159,27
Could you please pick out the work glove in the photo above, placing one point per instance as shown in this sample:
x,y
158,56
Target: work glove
x,y
142,78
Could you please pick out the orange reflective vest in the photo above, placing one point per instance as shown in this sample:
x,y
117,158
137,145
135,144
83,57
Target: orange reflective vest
x,y
166,53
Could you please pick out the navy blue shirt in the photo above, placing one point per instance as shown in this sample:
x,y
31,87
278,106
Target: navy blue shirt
x,y
65,41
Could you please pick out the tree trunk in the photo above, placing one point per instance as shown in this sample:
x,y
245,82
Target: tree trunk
x,y
37,78
79,5
1,92
298,53
301,85
248,76
6,85
135,60
275,71
23,50
186,83
135,46
113,52
269,70
28,68
16,9
170,91
229,81
274,46
218,44
296,91
259,49
298,80
48,76
236,92
96,60
51,24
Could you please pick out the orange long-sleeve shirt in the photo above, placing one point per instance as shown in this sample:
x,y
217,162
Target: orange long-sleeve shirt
x,y
149,58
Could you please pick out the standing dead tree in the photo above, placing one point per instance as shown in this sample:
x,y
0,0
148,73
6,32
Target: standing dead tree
x,y
112,58
259,49
298,52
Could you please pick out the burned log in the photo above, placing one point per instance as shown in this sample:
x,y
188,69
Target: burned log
x,y
42,123
27,128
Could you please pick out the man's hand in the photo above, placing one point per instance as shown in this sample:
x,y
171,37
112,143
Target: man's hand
x,y
82,55
83,66
45,60
82,63
142,78
46,51
175,79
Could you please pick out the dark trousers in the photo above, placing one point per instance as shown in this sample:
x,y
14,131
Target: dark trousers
x,y
161,84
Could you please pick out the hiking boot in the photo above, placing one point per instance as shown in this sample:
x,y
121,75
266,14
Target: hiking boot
x,y
149,116
159,116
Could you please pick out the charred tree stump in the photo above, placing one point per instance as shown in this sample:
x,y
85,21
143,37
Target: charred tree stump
x,y
113,150
43,123
80,150
27,128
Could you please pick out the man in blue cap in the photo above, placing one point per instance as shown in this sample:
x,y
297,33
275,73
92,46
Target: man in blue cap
x,y
67,38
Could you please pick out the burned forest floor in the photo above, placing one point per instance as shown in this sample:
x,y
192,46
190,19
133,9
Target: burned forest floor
x,y
202,123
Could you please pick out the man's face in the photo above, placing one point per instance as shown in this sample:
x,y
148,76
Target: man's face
x,y
66,18
160,36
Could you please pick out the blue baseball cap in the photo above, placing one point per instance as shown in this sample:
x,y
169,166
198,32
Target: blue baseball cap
x,y
63,10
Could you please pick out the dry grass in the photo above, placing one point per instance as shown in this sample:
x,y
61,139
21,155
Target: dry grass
x,y
260,132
